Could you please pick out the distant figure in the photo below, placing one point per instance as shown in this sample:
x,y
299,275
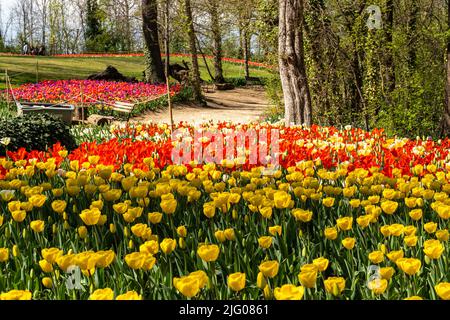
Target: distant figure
x,y
41,51
25,48
34,51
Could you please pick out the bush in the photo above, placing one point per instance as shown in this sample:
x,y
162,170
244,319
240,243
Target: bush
x,y
35,132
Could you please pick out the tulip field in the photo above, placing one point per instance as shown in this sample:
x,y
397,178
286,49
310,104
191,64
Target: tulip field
x,y
347,215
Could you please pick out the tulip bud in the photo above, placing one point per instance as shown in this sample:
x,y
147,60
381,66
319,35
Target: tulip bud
x,y
82,232
32,273
65,216
234,214
300,233
246,218
261,281
50,220
304,252
57,273
112,228
66,225
7,233
74,209
267,293
55,228
47,282
182,243
16,251
130,244
126,233
427,260
24,233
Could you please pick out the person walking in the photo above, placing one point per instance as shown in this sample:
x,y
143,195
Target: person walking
x,y
25,48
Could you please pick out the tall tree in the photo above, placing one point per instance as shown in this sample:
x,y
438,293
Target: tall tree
x,y
213,8
154,69
193,49
297,99
446,120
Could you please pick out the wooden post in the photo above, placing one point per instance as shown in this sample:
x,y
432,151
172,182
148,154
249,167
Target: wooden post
x,y
37,70
7,88
169,99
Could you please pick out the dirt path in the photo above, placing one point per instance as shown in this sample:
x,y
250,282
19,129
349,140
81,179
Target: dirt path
x,y
237,105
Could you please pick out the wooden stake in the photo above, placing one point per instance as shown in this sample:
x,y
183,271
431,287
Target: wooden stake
x,y
168,64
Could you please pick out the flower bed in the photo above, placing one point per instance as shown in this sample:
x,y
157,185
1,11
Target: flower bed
x,y
349,215
89,92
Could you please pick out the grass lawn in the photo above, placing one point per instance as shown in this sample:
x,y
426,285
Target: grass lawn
x,y
22,69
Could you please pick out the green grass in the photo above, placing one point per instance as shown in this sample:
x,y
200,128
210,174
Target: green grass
x,y
24,69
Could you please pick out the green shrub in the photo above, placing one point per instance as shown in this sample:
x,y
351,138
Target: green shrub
x,y
35,132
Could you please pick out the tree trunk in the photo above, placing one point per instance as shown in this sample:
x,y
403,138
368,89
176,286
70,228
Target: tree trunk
x,y
390,56
446,115
193,48
217,39
297,99
154,69
246,53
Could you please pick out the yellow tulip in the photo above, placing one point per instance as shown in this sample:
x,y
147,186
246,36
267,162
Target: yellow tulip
x,y
4,254
410,241
378,286
102,294
155,217
130,295
46,266
331,233
430,227
51,254
82,232
321,263
47,282
59,206
334,285
261,281
387,272
289,292
168,206
442,235
266,212
209,209
19,215
188,286
416,214
16,295
275,230
182,231
168,245
395,255
208,253
302,215
236,281
409,265
344,223
90,217
376,257
37,226
349,243
308,278
328,202
38,200
269,268
104,258
414,298
265,242
201,276
389,207
443,290
433,249
229,234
